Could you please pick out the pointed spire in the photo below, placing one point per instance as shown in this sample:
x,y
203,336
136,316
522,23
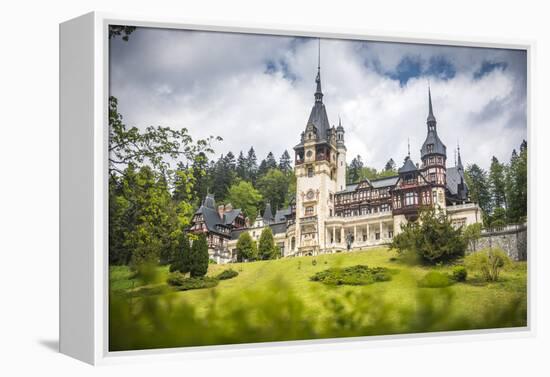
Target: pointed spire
x,y
318,92
408,148
459,163
431,117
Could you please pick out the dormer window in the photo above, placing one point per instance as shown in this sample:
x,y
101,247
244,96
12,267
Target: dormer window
x,y
430,148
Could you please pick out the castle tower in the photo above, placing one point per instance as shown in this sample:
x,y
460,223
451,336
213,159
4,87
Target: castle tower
x,y
434,159
319,167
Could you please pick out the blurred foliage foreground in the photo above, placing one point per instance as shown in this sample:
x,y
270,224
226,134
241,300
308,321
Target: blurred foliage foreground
x,y
275,313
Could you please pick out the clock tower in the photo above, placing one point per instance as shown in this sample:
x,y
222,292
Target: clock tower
x,y
320,163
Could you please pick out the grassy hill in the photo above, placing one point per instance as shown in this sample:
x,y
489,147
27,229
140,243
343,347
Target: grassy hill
x,y
282,289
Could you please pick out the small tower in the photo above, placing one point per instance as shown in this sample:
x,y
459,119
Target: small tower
x,y
341,157
434,158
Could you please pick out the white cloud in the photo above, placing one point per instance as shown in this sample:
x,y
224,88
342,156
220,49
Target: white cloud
x,y
219,84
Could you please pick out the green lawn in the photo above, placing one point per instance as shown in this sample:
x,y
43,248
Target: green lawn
x,y
384,307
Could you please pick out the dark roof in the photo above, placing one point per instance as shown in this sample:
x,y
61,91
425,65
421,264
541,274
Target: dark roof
x,y
276,228
375,183
408,166
439,147
455,176
268,214
318,117
281,214
211,216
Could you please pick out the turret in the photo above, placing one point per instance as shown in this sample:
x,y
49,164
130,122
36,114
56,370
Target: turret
x,y
433,152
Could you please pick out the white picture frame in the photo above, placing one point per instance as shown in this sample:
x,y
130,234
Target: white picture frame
x,y
84,190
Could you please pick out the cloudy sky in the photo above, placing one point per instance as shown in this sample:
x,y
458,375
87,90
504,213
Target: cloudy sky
x,y
255,90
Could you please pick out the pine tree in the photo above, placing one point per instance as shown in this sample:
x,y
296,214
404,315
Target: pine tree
x,y
198,258
390,165
477,181
516,185
285,162
355,169
266,245
251,165
230,161
241,169
497,181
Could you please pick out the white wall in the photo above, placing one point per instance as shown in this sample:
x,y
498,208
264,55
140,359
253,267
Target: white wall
x,y
29,189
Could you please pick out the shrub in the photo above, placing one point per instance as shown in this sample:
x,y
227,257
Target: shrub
x,y
212,261
488,262
435,279
355,275
182,283
227,274
460,273
246,248
198,257
266,245
180,261
433,238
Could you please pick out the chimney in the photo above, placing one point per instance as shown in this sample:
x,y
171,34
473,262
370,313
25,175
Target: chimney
x,y
221,210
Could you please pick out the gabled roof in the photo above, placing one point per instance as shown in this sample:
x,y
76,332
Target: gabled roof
x,y
455,175
211,216
408,166
375,183
281,214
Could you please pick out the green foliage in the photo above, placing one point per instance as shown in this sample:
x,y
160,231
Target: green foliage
x,y
433,238
227,274
198,258
266,245
488,262
246,248
182,283
355,275
181,260
273,186
435,279
244,196
516,185
479,187
471,234
460,273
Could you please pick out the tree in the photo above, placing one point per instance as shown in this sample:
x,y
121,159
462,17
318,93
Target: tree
x,y
223,178
251,165
155,146
390,166
516,185
198,258
274,187
246,248
119,30
497,182
285,162
266,245
266,165
181,260
241,168
433,238
477,181
471,234
354,170
244,196
230,161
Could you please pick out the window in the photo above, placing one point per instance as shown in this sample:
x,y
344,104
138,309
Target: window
x,y
309,210
432,177
310,171
411,198
430,148
376,236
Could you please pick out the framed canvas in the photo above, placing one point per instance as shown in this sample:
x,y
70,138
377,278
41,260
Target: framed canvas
x,y
234,189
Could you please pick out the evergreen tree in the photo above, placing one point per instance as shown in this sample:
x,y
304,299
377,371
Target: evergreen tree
x,y
181,260
285,162
355,170
497,181
223,178
251,165
241,168
266,165
246,248
198,258
230,161
516,185
477,181
390,165
266,245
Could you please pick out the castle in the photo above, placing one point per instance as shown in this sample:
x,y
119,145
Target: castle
x,y
329,215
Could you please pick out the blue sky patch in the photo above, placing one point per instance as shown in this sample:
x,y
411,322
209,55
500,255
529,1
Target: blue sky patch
x,y
488,67
441,68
